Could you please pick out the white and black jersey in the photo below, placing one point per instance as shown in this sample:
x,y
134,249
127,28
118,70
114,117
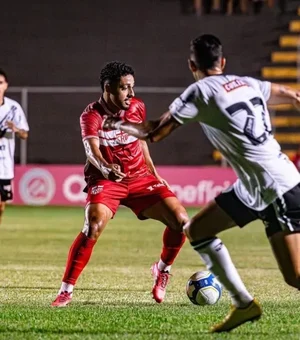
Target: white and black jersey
x,y
233,113
9,111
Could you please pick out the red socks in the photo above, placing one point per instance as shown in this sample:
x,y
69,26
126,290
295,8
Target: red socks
x,y
79,255
172,243
82,247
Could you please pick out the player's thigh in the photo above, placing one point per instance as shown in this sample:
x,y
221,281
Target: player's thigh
x,y
103,200
149,198
222,213
286,249
169,211
107,193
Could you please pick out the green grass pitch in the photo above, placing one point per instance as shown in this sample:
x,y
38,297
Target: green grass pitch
x,y
112,299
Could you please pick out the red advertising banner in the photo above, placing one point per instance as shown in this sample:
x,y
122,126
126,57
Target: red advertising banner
x,y
64,184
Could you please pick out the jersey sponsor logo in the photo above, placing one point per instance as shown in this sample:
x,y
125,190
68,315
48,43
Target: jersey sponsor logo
x,y
37,187
200,193
233,85
155,186
96,190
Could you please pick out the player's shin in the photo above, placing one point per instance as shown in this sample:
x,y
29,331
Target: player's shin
x,y
217,259
173,241
79,255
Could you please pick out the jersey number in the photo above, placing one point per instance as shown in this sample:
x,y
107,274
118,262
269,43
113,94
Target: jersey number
x,y
249,125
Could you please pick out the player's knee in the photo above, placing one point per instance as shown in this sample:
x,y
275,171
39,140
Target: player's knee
x,y
195,231
181,219
190,230
186,229
96,227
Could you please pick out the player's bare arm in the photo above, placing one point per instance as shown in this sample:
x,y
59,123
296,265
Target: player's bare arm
x,y
151,130
19,132
150,163
281,94
94,155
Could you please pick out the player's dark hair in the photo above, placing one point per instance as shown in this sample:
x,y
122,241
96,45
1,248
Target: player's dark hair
x,y
3,74
207,51
113,71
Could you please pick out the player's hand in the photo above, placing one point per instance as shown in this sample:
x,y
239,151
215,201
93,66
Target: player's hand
x,y
163,181
11,125
109,123
115,174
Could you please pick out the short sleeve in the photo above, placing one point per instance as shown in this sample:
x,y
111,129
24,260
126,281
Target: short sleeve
x,y
20,119
137,111
90,124
184,108
263,86
142,111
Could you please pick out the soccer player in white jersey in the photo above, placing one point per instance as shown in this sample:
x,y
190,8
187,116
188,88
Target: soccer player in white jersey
x,y
12,123
233,113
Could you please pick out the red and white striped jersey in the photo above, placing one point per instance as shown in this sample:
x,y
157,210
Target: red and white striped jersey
x,y
116,146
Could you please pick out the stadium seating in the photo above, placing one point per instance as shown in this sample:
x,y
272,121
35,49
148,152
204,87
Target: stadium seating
x,y
285,69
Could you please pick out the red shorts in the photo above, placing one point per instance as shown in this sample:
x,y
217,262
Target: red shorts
x,y
137,194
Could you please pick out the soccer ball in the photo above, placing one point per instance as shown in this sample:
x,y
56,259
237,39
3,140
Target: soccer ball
x,y
203,288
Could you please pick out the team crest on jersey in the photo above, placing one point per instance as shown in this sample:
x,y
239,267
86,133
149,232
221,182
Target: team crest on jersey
x,y
97,189
121,137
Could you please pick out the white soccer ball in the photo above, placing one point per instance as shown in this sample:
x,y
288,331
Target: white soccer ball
x,y
203,288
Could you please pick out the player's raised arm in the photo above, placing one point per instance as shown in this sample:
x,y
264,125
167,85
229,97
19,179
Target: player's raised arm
x,y
152,130
281,94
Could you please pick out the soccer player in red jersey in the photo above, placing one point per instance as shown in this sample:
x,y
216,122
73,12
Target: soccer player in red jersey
x,y
119,170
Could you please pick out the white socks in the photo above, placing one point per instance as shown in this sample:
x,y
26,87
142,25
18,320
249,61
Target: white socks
x,y
217,259
163,267
66,287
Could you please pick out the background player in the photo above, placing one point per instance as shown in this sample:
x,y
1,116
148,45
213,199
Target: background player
x,y
119,170
233,113
12,123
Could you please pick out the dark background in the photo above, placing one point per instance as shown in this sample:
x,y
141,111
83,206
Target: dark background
x,y
65,43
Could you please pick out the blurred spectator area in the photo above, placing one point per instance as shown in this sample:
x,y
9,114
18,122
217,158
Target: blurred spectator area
x,y
54,44
229,7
